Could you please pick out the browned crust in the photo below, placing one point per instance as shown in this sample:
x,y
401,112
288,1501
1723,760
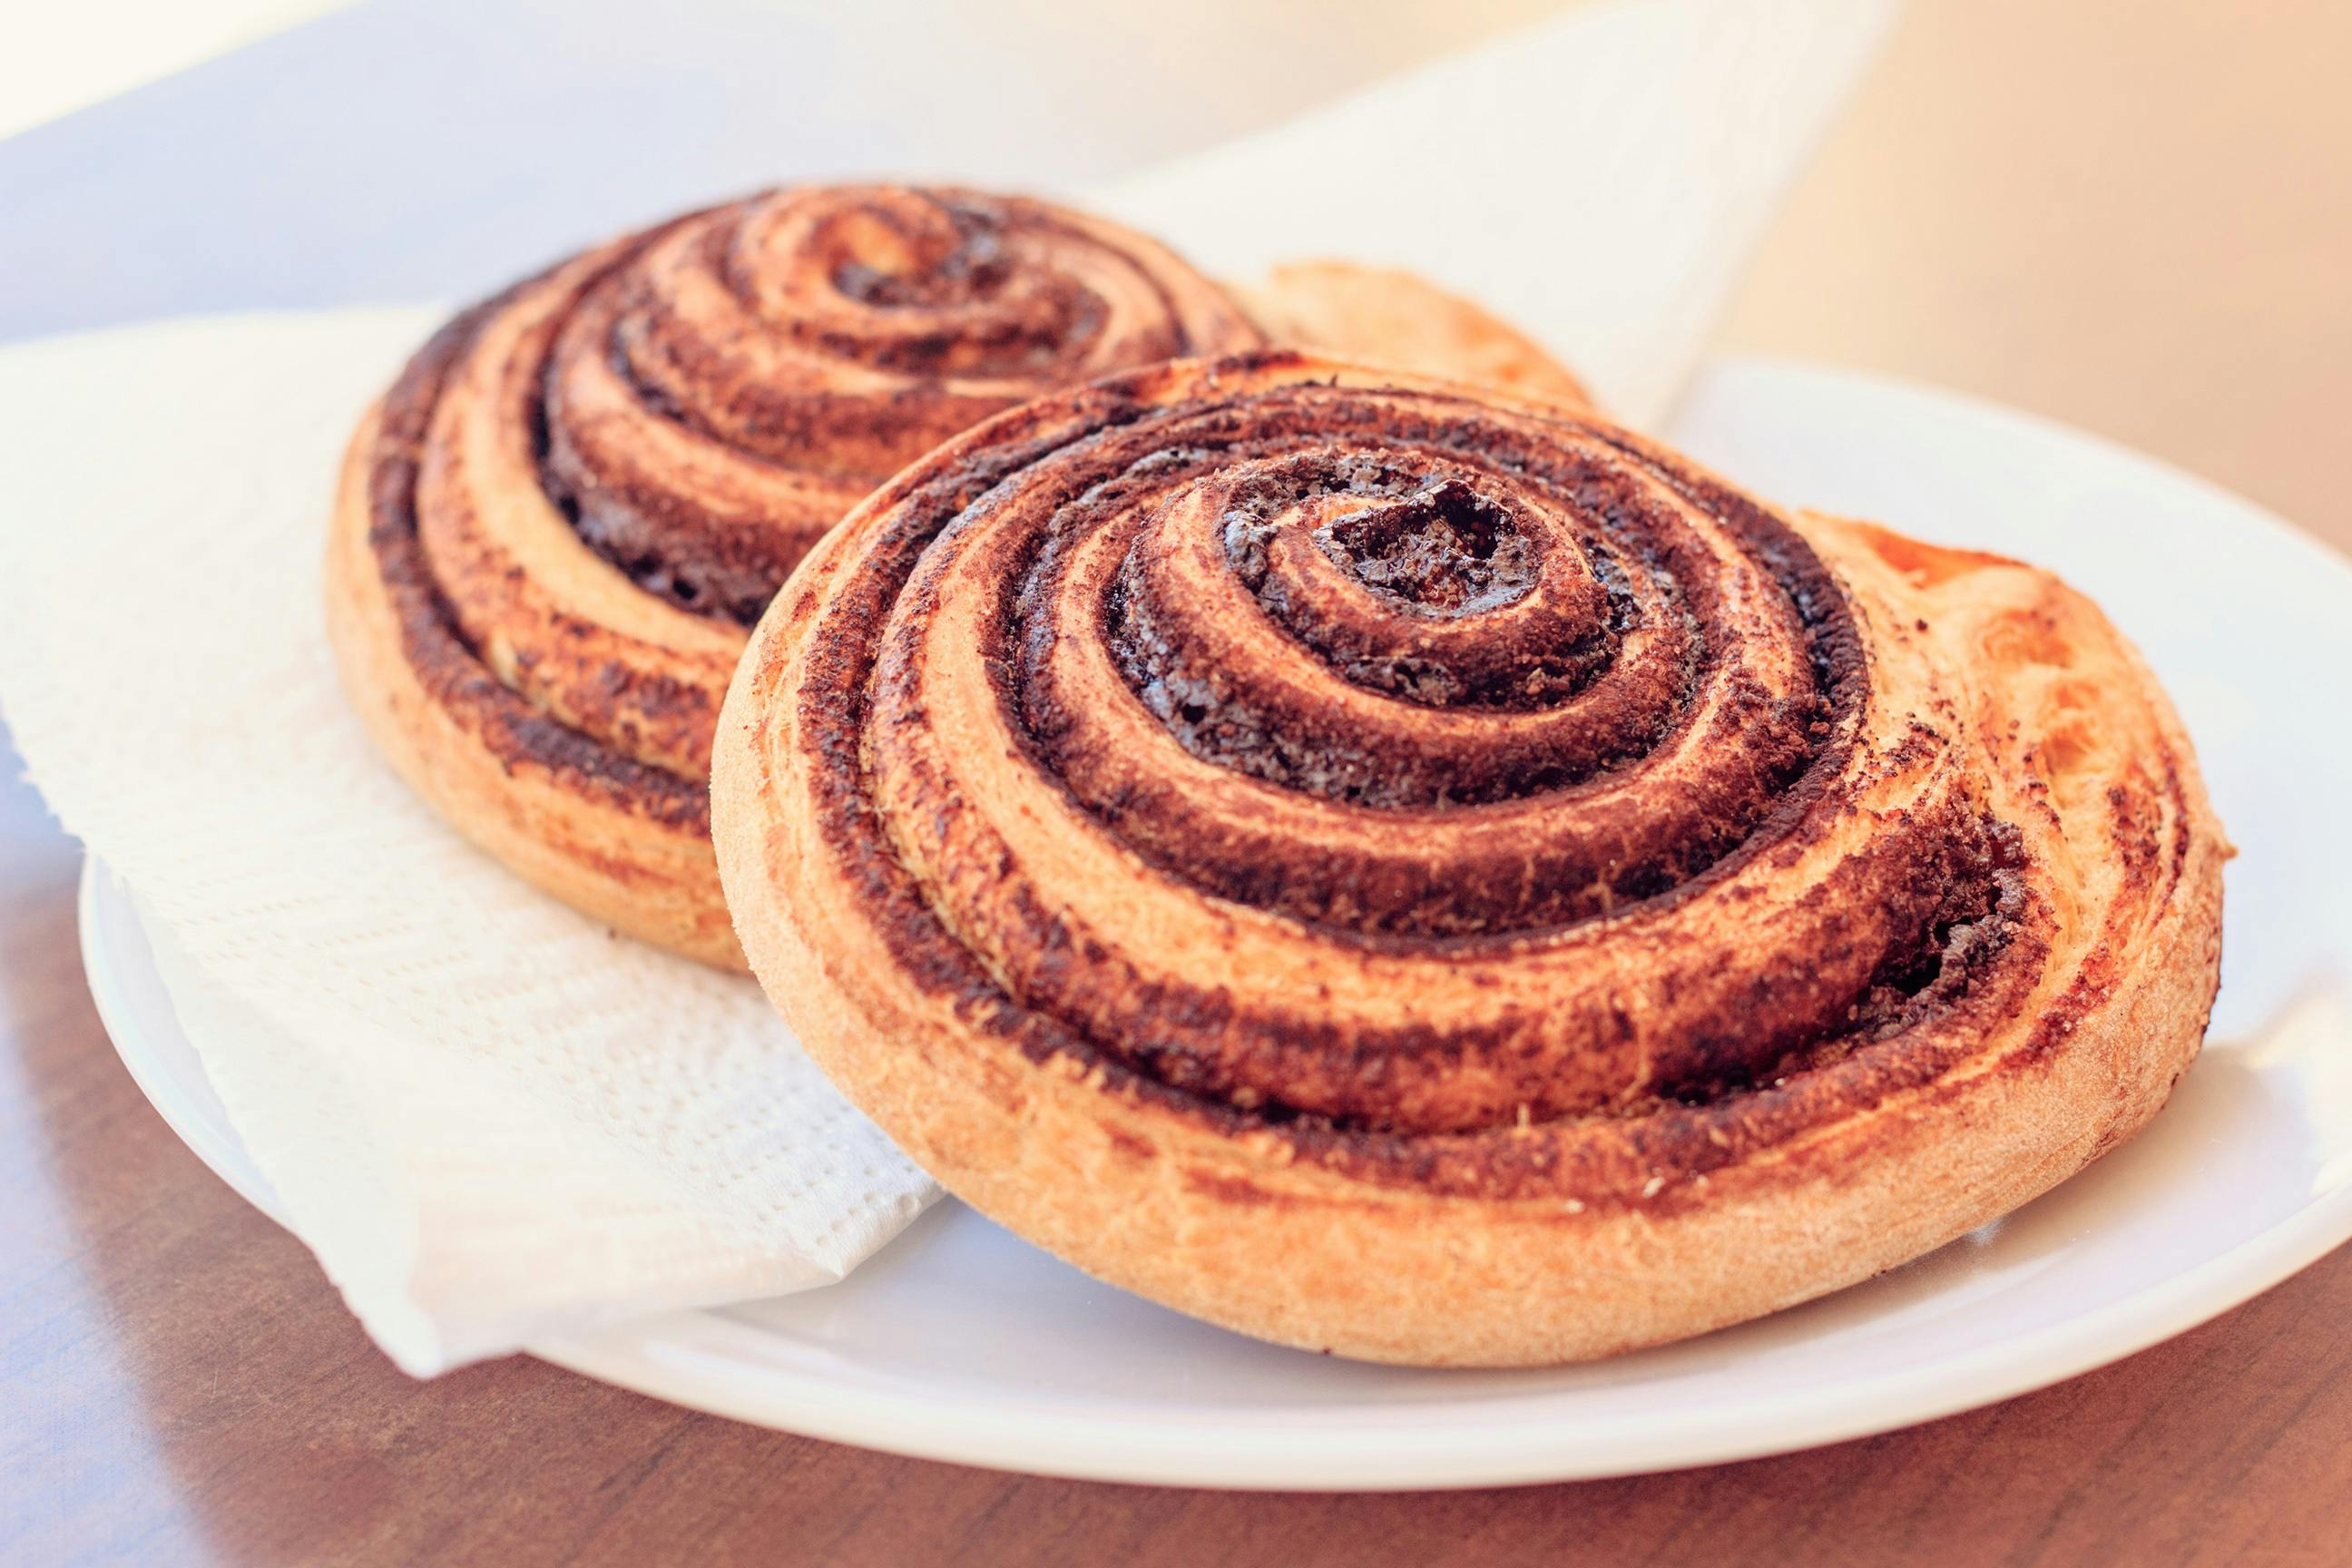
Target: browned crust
x,y
553,533
1574,1232
560,716
632,851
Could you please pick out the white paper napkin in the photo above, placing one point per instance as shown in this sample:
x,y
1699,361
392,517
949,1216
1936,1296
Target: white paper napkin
x,y
1600,180
491,1119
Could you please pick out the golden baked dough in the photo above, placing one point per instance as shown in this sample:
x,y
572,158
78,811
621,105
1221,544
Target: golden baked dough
x,y
1441,879
555,529
1380,316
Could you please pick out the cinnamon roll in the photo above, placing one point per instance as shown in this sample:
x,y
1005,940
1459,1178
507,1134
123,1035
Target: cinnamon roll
x,y
1441,878
554,530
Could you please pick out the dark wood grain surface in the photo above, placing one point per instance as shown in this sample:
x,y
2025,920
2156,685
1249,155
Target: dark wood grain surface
x,y
2130,213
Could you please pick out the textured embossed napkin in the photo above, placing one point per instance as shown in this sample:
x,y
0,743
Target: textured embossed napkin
x,y
491,1119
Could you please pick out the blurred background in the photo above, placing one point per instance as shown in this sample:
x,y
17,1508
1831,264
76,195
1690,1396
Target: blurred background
x,y
2135,215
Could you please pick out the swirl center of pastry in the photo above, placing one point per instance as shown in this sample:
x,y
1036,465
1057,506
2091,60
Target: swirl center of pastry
x,y
1445,549
723,390
1488,735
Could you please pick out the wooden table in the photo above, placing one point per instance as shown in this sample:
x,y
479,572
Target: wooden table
x,y
2136,217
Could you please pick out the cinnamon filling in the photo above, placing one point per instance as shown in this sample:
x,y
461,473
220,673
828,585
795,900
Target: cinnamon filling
x,y
831,336
1303,591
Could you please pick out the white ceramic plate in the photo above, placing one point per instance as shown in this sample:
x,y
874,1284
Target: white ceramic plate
x,y
960,1342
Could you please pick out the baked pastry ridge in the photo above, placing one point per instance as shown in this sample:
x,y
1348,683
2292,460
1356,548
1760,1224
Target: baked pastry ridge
x,y
1441,878
555,529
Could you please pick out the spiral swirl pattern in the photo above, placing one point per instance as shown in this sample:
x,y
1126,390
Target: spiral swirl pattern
x,y
1288,790
718,398
579,496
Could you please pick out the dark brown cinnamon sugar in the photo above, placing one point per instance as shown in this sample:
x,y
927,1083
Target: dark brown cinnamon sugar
x,y
511,729
1259,820
831,336
580,493
566,513
1487,832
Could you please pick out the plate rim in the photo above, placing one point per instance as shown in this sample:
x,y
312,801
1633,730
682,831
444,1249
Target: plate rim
x,y
644,1359
655,1357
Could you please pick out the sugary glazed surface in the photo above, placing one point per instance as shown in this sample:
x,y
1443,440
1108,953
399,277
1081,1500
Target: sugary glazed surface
x,y
1437,878
563,517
